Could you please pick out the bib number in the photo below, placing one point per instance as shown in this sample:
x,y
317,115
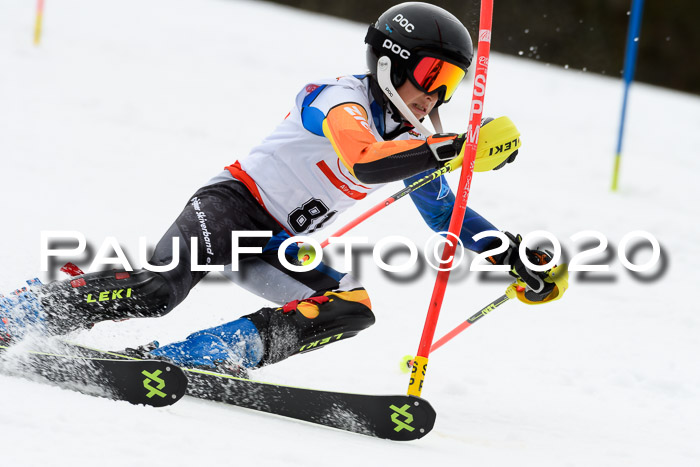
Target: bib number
x,y
302,219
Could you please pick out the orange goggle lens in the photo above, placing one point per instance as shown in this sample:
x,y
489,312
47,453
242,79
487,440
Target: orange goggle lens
x,y
431,73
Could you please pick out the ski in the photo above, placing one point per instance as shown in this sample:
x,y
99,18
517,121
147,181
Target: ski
x,y
394,417
149,382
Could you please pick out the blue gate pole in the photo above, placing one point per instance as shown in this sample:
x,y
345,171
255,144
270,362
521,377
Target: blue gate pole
x,y
635,24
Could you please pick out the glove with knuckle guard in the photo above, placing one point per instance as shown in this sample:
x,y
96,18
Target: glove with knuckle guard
x,y
510,160
499,141
541,286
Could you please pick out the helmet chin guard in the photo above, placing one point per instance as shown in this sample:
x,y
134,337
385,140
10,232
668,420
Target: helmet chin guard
x,y
435,119
384,80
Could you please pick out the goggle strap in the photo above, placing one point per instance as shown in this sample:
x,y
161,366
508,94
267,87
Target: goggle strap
x,y
374,37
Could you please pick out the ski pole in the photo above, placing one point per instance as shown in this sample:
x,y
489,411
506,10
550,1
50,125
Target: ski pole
x,y
415,385
447,168
509,294
407,361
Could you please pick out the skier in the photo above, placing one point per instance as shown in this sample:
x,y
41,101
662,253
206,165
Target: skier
x,y
344,138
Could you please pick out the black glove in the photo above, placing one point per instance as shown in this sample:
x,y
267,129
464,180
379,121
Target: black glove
x,y
446,146
510,159
537,288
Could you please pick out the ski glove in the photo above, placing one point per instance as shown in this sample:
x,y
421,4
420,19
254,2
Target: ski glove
x,y
499,141
510,159
539,285
446,146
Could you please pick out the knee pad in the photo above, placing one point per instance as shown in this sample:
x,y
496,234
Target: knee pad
x,y
90,298
309,324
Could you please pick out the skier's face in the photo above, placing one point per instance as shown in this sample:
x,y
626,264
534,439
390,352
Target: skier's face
x,y
419,102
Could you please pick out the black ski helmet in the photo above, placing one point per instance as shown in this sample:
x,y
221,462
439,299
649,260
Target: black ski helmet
x,y
407,31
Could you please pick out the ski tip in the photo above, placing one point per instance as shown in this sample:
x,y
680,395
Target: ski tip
x,y
407,419
159,383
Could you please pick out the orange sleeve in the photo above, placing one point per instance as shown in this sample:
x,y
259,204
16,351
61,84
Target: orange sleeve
x,y
349,132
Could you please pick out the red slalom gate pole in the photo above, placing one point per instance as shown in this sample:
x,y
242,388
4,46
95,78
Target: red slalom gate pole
x,y
418,373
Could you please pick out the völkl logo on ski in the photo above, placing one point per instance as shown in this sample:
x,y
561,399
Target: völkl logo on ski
x,y
408,418
153,377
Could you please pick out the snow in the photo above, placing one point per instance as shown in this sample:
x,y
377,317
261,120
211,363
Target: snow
x,y
127,107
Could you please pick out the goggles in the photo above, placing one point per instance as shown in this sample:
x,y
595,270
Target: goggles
x,y
431,74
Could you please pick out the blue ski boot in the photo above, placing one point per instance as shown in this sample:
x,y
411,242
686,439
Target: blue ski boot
x,y
231,348
272,334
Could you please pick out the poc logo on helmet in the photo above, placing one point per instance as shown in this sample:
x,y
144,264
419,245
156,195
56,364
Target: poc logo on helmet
x,y
403,53
403,22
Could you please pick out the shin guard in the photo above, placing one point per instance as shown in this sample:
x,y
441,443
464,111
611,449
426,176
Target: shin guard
x,y
309,324
109,295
